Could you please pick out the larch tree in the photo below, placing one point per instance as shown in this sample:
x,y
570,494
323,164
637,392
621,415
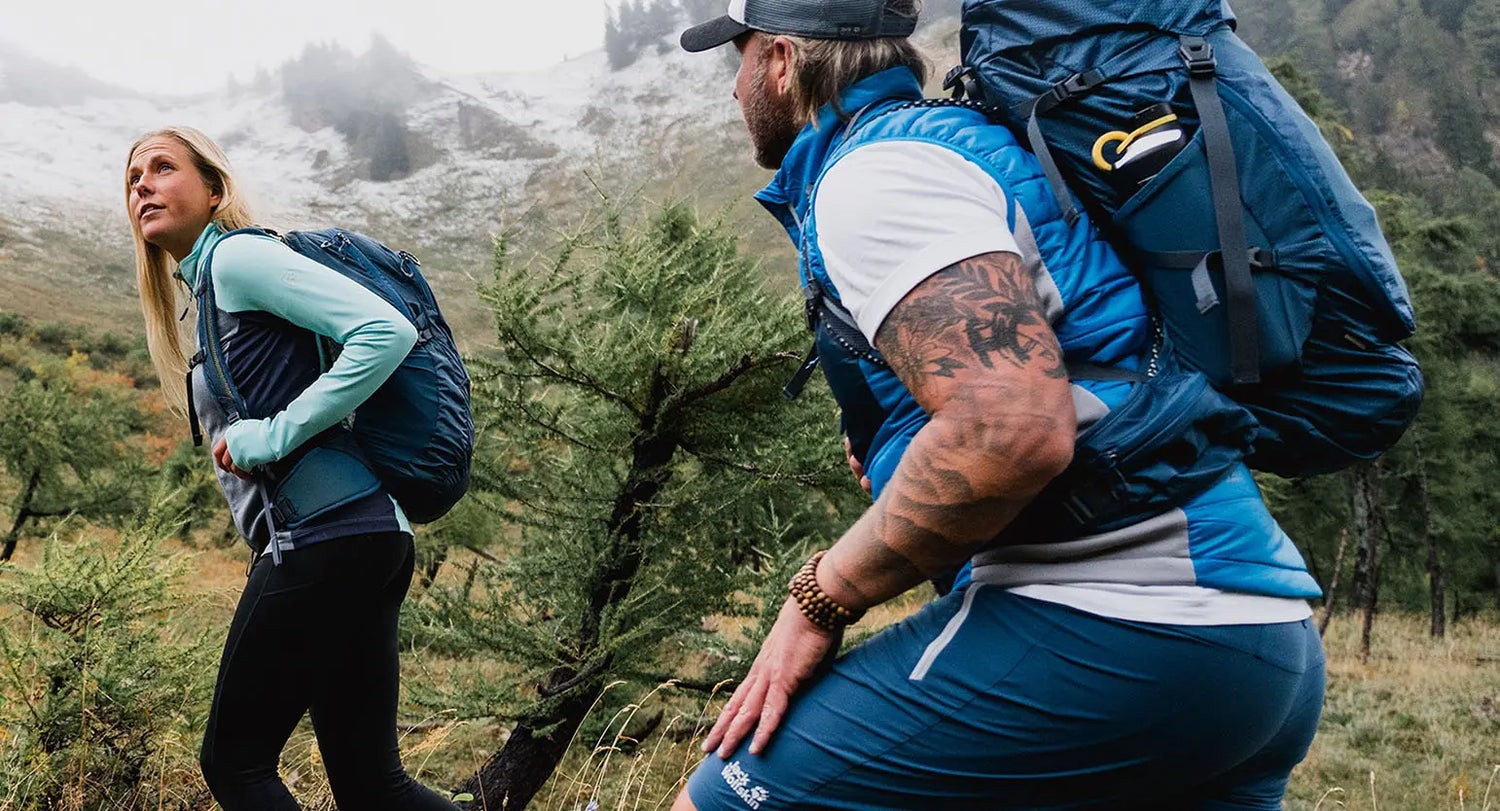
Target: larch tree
x,y
645,472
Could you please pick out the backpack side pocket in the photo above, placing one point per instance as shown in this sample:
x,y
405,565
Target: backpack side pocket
x,y
1169,227
1169,440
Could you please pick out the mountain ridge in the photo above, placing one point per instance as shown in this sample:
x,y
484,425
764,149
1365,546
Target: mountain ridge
x,y
461,156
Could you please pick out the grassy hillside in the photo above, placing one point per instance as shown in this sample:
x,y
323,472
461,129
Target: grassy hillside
x,y
1415,728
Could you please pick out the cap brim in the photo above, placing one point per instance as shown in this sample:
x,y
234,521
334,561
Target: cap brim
x,y
712,34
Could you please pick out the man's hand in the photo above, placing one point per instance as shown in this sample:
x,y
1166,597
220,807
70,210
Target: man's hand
x,y
225,463
793,651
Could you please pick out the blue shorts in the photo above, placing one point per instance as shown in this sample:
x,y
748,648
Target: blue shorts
x,y
988,700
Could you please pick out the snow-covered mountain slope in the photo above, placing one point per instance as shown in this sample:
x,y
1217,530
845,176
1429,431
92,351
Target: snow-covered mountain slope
x,y
482,150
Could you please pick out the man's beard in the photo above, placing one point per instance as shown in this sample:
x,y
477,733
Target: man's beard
x,y
772,127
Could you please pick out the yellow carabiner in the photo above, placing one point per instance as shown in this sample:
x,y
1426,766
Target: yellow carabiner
x,y
1107,137
1125,139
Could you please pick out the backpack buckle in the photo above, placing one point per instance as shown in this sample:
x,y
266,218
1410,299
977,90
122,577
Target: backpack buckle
x,y
1079,83
1076,85
959,83
812,293
1198,54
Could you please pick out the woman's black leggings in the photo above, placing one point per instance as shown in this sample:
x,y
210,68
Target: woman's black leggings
x,y
316,633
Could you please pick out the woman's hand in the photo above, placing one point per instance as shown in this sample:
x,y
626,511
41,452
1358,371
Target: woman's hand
x,y
793,651
859,469
226,464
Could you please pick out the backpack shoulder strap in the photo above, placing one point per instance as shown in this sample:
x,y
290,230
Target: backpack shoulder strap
x,y
1224,184
210,345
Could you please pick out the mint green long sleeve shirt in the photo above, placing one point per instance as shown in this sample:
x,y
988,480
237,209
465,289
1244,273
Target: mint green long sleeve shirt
x,y
253,272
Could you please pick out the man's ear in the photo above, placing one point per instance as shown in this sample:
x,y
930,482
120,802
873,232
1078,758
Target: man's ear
x,y
779,65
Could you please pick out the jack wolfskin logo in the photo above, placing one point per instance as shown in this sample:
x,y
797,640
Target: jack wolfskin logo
x,y
739,780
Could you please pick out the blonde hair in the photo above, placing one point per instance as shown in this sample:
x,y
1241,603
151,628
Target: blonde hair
x,y
822,69
154,267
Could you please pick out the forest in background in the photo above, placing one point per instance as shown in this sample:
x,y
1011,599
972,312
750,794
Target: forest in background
x,y
1406,92
107,665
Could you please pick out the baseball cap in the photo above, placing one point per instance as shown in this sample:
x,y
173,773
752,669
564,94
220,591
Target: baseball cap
x,y
814,19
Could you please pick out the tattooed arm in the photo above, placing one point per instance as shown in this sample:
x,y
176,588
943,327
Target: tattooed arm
x,y
973,347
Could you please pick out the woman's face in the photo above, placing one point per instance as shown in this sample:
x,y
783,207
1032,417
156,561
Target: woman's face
x,y
170,202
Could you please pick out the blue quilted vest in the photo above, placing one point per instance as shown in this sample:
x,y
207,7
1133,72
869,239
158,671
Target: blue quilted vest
x,y
1224,531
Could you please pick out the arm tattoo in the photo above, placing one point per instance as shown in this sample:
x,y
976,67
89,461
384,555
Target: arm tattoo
x,y
971,341
979,313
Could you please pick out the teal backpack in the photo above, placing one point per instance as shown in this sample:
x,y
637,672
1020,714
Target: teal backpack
x,y
1265,267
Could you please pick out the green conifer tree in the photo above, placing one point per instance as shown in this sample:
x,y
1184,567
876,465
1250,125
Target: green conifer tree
x,y
101,697
63,447
643,466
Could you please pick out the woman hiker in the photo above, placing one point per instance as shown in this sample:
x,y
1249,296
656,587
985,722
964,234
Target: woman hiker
x,y
315,628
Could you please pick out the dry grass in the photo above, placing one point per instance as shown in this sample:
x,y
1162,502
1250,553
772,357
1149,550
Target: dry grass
x,y
1416,728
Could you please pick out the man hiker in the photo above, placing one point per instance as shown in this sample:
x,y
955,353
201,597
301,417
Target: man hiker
x,y
971,336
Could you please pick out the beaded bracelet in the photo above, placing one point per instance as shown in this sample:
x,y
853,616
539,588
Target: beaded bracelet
x,y
818,607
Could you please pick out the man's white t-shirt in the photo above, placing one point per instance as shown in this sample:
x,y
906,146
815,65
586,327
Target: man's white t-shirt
x,y
891,214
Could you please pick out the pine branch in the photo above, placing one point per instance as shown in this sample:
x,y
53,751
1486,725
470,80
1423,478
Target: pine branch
x,y
543,509
582,676
553,428
743,367
480,552
572,376
808,479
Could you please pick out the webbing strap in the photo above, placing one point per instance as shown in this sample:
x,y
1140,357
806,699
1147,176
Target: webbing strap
x,y
1200,263
193,424
836,308
1049,169
1171,260
1076,85
268,508
1203,287
1224,181
1260,258
209,327
1100,373
794,387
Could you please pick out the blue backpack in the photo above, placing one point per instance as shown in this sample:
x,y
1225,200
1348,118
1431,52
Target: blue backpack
x,y
1266,268
415,433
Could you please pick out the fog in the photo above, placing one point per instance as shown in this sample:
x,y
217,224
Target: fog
x,y
194,46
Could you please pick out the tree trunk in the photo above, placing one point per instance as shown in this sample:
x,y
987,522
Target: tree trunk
x,y
430,567
1366,503
511,777
22,513
1310,557
1333,583
1437,593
